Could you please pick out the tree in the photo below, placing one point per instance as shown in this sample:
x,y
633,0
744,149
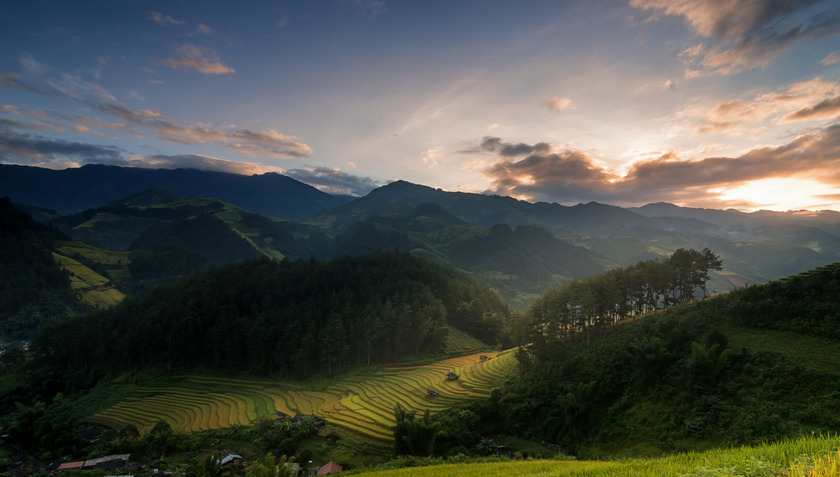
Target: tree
x,y
270,466
157,440
414,436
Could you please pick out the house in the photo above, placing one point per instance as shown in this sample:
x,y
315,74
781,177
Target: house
x,y
450,376
483,357
109,462
228,457
71,465
329,468
432,393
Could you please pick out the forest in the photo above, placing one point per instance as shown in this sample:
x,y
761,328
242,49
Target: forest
x,y
283,318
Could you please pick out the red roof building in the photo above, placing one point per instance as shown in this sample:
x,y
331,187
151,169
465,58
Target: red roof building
x,y
329,468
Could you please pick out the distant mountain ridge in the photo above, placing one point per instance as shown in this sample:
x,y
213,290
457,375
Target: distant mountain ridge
x,y
90,186
455,228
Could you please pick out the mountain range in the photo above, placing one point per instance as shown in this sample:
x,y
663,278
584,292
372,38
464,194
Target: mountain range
x,y
516,247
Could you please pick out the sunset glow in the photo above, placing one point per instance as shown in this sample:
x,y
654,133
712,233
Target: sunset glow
x,y
705,103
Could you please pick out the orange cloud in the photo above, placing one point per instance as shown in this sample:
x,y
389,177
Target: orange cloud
x,y
574,176
193,57
558,104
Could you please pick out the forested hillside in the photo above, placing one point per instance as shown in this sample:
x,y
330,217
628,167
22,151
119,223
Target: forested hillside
x,y
34,290
706,373
283,318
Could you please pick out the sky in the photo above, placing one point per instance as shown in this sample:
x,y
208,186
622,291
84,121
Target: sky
x,y
701,103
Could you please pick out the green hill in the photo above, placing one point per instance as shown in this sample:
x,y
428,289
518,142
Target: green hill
x,y
752,365
520,263
170,239
34,289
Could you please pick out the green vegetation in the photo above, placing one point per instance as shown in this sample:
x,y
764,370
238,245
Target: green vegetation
x,y
675,380
282,318
34,290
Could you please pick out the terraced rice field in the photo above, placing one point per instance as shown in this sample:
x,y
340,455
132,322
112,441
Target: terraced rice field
x,y
361,407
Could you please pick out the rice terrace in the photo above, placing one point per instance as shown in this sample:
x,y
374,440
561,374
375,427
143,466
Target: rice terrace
x,y
361,408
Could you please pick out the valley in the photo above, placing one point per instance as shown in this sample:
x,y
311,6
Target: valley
x,y
173,323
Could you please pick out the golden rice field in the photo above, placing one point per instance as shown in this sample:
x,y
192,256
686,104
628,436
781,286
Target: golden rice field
x,y
814,456
361,407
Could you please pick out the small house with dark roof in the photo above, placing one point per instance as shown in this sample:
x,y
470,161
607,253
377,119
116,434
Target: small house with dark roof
x,y
450,376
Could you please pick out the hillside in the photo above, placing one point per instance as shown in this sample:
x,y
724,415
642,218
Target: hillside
x,y
756,247
76,189
282,318
34,290
754,364
519,263
169,238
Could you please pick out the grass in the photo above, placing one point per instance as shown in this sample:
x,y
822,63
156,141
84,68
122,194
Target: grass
x,y
810,351
804,456
360,405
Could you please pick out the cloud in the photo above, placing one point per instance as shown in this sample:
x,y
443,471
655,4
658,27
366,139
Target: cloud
x,y
805,100
573,176
31,65
193,57
558,104
18,148
746,34
432,155
245,141
163,20
832,59
374,7
495,145
333,181
197,161
13,80
826,109
202,28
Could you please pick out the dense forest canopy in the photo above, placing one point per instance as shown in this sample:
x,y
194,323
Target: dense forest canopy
x,y
284,318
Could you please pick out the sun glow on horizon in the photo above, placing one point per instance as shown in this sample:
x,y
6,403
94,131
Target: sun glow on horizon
x,y
781,194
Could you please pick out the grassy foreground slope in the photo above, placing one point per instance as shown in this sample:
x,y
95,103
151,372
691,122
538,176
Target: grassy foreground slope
x,y
812,456
360,408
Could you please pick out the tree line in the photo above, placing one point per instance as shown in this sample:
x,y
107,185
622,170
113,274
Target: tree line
x,y
601,300
289,318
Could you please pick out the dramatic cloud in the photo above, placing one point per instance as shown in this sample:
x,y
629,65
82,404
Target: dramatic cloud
x,y
333,181
495,144
18,148
746,34
573,176
163,20
195,58
558,104
828,109
806,100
